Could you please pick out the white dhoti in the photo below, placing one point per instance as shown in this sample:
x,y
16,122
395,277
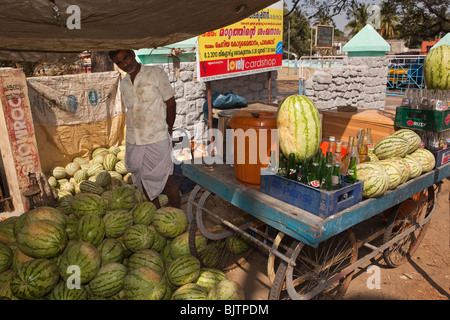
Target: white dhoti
x,y
150,165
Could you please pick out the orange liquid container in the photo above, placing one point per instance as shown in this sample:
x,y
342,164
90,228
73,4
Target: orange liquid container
x,y
252,138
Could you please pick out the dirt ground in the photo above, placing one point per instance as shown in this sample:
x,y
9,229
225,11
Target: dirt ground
x,y
425,277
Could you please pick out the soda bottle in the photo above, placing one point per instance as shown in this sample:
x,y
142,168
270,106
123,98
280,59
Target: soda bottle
x,y
282,165
331,150
352,152
351,176
292,167
327,181
314,180
370,145
338,157
336,177
363,149
273,166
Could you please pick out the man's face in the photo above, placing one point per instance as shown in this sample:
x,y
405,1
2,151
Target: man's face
x,y
126,61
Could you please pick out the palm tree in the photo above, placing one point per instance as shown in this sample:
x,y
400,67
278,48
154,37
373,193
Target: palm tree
x,y
323,18
359,16
389,20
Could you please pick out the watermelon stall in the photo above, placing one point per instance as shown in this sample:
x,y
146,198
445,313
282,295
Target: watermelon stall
x,y
313,253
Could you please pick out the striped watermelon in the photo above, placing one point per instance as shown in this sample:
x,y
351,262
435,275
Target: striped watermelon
x,y
98,159
99,151
144,284
209,277
103,178
109,280
18,258
226,290
180,244
121,155
114,150
146,258
34,279
80,175
72,227
46,213
5,276
7,231
391,146
414,165
426,158
394,172
91,228
87,186
120,167
42,239
160,241
299,127
237,244
170,222
376,180
110,250
116,175
143,213
53,182
183,270
210,257
84,203
94,169
117,221
80,160
6,256
190,291
109,162
59,172
63,292
138,237
413,138
405,169
82,255
122,198
436,68
67,187
71,168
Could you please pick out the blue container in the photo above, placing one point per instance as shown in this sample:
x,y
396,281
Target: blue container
x,y
442,157
318,202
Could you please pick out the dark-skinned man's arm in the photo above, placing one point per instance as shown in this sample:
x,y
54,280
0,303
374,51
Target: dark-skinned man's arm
x,y
171,113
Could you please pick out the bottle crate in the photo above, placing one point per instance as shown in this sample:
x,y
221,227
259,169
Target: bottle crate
x,y
422,119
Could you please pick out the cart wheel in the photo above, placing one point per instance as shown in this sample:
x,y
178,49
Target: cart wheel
x,y
321,273
281,243
411,212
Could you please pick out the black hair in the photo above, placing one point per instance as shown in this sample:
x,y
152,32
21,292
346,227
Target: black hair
x,y
113,53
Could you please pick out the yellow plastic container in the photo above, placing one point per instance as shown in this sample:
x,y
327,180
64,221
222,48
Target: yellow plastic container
x,y
251,154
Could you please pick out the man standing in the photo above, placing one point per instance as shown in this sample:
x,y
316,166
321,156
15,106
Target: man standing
x,y
149,101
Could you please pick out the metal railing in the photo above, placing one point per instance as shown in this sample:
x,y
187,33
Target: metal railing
x,y
405,72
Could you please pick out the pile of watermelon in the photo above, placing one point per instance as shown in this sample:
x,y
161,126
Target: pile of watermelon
x,y
395,159
105,242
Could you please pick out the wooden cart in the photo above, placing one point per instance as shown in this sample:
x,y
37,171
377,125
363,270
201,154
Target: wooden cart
x,y
308,257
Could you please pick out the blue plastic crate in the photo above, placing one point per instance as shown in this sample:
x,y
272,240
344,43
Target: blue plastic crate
x,y
442,157
318,202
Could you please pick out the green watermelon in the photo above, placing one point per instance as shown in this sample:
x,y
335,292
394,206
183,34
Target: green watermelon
x,y
391,146
413,138
117,221
7,231
5,257
394,172
180,244
226,290
426,159
436,68
138,237
84,203
183,270
95,169
160,241
34,279
103,178
72,227
110,250
299,127
414,165
237,244
375,177
71,168
109,162
190,291
18,258
99,151
405,169
210,257
146,258
91,228
80,175
143,213
170,222
144,284
209,277
120,167
63,292
59,172
109,280
42,239
87,186
46,213
82,255
6,276
122,198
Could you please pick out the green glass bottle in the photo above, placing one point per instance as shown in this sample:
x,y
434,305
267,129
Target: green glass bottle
x,y
292,167
281,165
336,177
327,180
351,176
314,179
